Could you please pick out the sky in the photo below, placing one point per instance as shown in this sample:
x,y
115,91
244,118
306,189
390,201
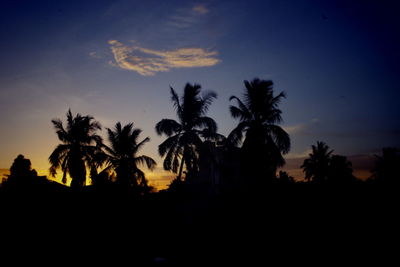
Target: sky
x,y
337,61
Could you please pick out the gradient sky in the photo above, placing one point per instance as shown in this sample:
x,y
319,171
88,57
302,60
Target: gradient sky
x,y
338,62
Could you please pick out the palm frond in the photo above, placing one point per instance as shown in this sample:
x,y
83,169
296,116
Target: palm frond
x,y
206,123
175,101
134,134
145,160
168,127
207,99
244,111
56,157
168,144
141,178
167,164
140,144
236,135
280,137
61,132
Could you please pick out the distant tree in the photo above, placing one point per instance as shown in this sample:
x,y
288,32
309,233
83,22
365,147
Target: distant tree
x,y
122,155
22,167
386,170
316,166
21,173
184,136
340,170
79,149
264,141
102,178
285,178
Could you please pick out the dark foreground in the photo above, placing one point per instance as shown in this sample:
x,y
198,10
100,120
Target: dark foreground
x,y
301,224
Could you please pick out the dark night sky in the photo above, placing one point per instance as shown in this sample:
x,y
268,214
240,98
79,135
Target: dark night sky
x,y
338,62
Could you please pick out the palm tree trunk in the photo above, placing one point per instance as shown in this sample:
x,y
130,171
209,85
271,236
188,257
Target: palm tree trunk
x,y
179,177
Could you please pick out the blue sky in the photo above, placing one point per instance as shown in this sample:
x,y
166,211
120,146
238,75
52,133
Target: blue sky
x,y
338,62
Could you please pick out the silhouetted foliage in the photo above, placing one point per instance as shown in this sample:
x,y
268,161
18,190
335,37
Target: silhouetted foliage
x,y
340,170
25,179
285,178
184,136
213,163
316,166
122,156
21,173
102,179
386,170
264,141
79,149
323,167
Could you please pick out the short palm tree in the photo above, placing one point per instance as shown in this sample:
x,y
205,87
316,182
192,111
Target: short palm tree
x,y
386,166
340,170
316,166
122,155
258,115
80,145
184,136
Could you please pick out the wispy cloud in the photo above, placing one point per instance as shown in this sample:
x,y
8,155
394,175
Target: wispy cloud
x,y
294,129
94,54
185,18
301,155
148,62
201,9
302,128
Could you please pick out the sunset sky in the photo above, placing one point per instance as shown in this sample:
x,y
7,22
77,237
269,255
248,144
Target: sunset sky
x,y
338,62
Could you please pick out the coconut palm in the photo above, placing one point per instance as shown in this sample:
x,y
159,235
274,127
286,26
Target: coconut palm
x,y
316,166
263,140
80,145
122,155
340,170
184,135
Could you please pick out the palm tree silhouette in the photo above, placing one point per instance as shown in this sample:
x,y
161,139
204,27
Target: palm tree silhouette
x,y
184,135
340,170
80,145
316,167
386,166
258,116
122,156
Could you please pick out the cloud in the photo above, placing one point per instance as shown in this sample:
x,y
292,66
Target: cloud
x,y
201,9
94,54
306,128
188,17
301,155
294,128
148,62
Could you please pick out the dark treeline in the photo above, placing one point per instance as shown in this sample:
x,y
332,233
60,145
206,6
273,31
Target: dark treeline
x,y
226,188
245,161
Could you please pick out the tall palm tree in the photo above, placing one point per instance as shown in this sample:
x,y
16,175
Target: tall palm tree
x,y
80,145
258,115
122,155
184,135
316,166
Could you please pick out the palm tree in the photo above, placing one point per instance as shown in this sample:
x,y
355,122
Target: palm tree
x,y
122,156
184,135
386,166
316,167
80,145
340,170
258,115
